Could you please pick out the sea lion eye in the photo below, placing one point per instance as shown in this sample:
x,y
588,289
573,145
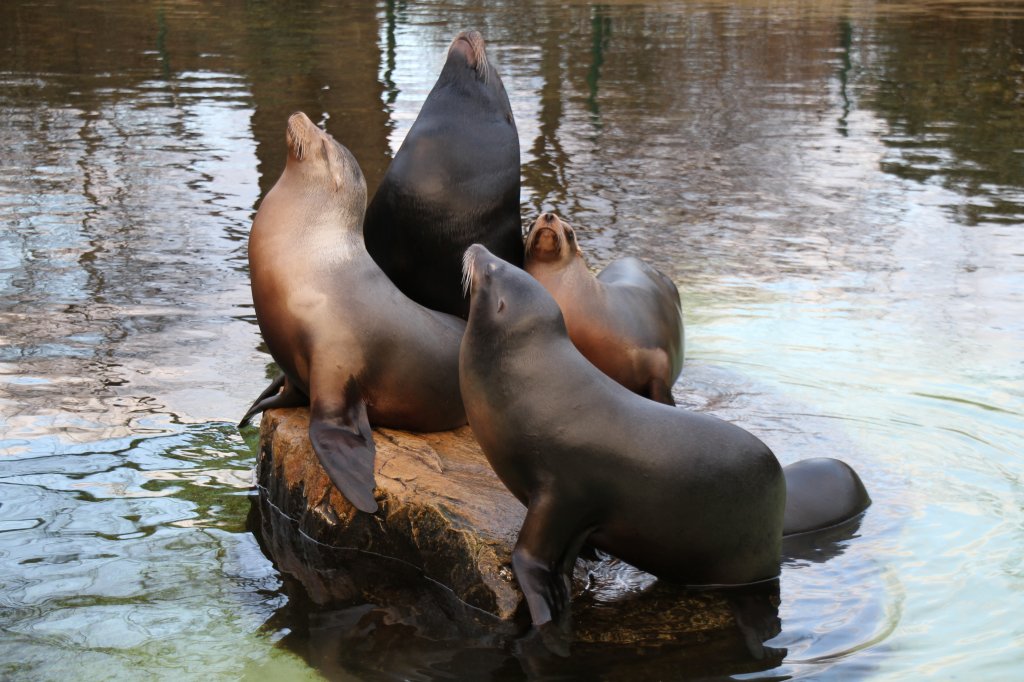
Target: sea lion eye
x,y
569,235
501,304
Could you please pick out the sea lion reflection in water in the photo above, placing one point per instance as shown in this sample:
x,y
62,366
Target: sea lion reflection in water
x,y
684,496
346,338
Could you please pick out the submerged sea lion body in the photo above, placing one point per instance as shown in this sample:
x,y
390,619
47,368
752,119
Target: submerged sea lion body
x,y
628,320
454,182
341,332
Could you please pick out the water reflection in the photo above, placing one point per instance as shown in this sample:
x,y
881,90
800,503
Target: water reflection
x,y
836,188
955,117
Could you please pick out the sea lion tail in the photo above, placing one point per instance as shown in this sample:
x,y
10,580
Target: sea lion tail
x,y
821,493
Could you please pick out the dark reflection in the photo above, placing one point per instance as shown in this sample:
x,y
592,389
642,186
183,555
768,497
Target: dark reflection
x,y
952,93
845,64
601,30
549,158
354,613
391,12
321,58
820,546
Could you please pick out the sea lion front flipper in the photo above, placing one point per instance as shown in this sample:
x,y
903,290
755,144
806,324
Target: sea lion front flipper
x,y
661,392
340,433
542,561
271,397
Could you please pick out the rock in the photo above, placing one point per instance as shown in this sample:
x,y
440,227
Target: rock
x,y
442,509
445,515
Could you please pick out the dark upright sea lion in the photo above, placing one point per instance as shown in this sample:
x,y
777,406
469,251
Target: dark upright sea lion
x,y
341,332
628,320
453,182
684,496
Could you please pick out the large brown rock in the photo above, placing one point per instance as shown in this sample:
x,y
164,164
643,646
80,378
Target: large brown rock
x,y
445,515
442,509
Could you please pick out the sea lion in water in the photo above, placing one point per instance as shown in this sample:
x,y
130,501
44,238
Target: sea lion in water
x,y
684,496
628,320
453,182
341,332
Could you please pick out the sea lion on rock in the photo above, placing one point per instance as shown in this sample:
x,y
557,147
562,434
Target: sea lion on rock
x,y
684,496
340,330
628,320
454,182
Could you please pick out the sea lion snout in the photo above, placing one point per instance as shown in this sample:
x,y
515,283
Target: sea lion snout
x,y
470,46
545,243
546,236
299,135
462,46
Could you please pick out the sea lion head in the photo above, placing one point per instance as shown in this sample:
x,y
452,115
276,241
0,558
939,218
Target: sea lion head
x,y
469,75
504,299
551,240
468,51
324,164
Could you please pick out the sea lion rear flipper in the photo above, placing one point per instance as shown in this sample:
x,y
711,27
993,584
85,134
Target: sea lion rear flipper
x,y
821,492
270,390
661,392
340,433
542,561
270,398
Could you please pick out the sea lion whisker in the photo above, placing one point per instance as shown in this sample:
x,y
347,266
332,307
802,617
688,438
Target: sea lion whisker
x,y
479,50
468,264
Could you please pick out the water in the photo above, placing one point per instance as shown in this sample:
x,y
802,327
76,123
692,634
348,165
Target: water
x,y
837,189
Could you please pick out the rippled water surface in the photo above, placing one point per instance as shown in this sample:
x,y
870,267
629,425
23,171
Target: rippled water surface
x,y
837,188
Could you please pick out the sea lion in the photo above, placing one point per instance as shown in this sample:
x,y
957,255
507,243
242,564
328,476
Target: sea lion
x,y
453,182
341,332
628,320
684,496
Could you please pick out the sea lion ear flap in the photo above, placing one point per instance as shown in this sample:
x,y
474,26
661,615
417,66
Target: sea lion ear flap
x,y
570,233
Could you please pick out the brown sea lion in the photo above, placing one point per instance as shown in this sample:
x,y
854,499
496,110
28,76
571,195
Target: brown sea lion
x,y
454,182
628,320
340,330
685,496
